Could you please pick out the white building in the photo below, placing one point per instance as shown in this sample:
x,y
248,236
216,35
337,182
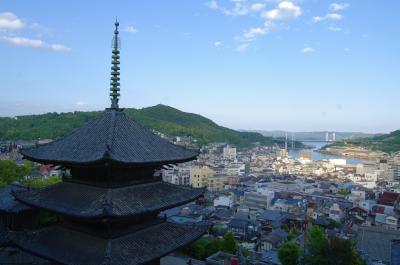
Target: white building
x,y
335,213
223,200
338,161
229,153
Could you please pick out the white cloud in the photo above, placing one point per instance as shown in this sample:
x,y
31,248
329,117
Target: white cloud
x,y
285,11
257,7
130,29
252,33
58,48
307,50
333,28
330,16
274,19
25,42
217,44
242,47
338,6
34,43
212,4
81,104
239,8
318,18
9,21
334,16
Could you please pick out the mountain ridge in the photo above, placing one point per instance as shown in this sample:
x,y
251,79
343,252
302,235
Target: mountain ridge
x,y
162,118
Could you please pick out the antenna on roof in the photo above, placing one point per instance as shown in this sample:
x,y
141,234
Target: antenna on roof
x,y
114,89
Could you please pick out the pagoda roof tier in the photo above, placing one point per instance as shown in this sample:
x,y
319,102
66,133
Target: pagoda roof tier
x,y
111,138
66,246
84,201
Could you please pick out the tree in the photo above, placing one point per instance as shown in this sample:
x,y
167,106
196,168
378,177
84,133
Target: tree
x,y
321,251
199,251
206,246
343,252
213,247
293,234
288,253
316,248
333,224
245,252
10,171
229,243
41,182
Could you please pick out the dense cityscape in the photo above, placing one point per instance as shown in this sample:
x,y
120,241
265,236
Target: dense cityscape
x,y
266,199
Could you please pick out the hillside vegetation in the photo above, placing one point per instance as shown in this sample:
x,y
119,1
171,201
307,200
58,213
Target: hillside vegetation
x,y
384,142
161,118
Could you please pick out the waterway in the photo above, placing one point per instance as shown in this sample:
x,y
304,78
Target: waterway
x,y
295,153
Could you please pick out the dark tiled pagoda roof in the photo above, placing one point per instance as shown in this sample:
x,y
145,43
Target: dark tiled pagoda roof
x,y
111,137
67,246
7,201
86,201
4,236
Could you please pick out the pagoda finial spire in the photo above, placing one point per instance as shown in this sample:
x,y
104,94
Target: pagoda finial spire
x,y
114,89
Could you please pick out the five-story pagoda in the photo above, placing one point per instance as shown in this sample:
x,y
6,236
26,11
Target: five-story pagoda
x,y
110,201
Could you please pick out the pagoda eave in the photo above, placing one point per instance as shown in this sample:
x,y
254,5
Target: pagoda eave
x,y
65,246
112,138
91,202
107,161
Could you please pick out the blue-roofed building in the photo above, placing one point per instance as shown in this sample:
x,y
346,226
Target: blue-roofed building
x,y
242,227
271,220
270,257
273,240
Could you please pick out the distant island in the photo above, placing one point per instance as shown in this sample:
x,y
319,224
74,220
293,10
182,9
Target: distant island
x,y
379,143
314,135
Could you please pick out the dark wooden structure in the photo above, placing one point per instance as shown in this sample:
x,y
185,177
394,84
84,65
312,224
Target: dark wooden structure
x,y
111,199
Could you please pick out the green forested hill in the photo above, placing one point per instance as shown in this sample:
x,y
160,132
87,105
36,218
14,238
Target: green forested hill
x,y
385,142
162,118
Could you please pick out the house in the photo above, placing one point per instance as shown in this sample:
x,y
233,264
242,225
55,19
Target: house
x,y
255,201
386,221
237,194
335,213
271,220
223,200
287,205
389,198
241,226
367,204
273,240
270,257
221,215
358,214
321,221
356,196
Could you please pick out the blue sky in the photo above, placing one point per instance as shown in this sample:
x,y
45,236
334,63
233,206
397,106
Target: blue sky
x,y
264,64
